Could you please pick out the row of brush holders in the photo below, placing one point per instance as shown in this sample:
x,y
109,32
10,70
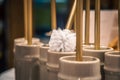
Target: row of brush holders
x,y
37,62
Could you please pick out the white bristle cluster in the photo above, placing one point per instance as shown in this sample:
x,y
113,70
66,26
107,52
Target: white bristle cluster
x,y
62,41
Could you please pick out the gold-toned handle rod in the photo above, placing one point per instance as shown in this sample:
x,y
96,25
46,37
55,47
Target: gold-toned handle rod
x,y
119,25
97,24
25,18
29,22
71,16
87,22
53,14
79,30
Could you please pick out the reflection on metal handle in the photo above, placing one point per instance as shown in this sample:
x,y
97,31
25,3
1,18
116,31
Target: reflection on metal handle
x,y
71,16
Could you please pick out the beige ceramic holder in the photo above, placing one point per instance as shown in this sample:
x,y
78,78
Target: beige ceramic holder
x,y
90,51
88,69
26,62
112,65
53,63
23,41
43,60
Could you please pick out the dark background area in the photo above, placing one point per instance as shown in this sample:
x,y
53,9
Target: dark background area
x,y
12,22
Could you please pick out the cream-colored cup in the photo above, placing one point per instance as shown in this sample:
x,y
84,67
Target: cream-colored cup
x,y
112,65
27,62
88,69
90,51
22,40
35,41
53,63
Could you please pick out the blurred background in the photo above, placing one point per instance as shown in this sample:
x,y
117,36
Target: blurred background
x,y
12,22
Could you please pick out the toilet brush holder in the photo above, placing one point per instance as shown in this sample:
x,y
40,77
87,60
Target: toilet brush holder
x,y
112,65
35,41
90,51
53,63
88,69
26,62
